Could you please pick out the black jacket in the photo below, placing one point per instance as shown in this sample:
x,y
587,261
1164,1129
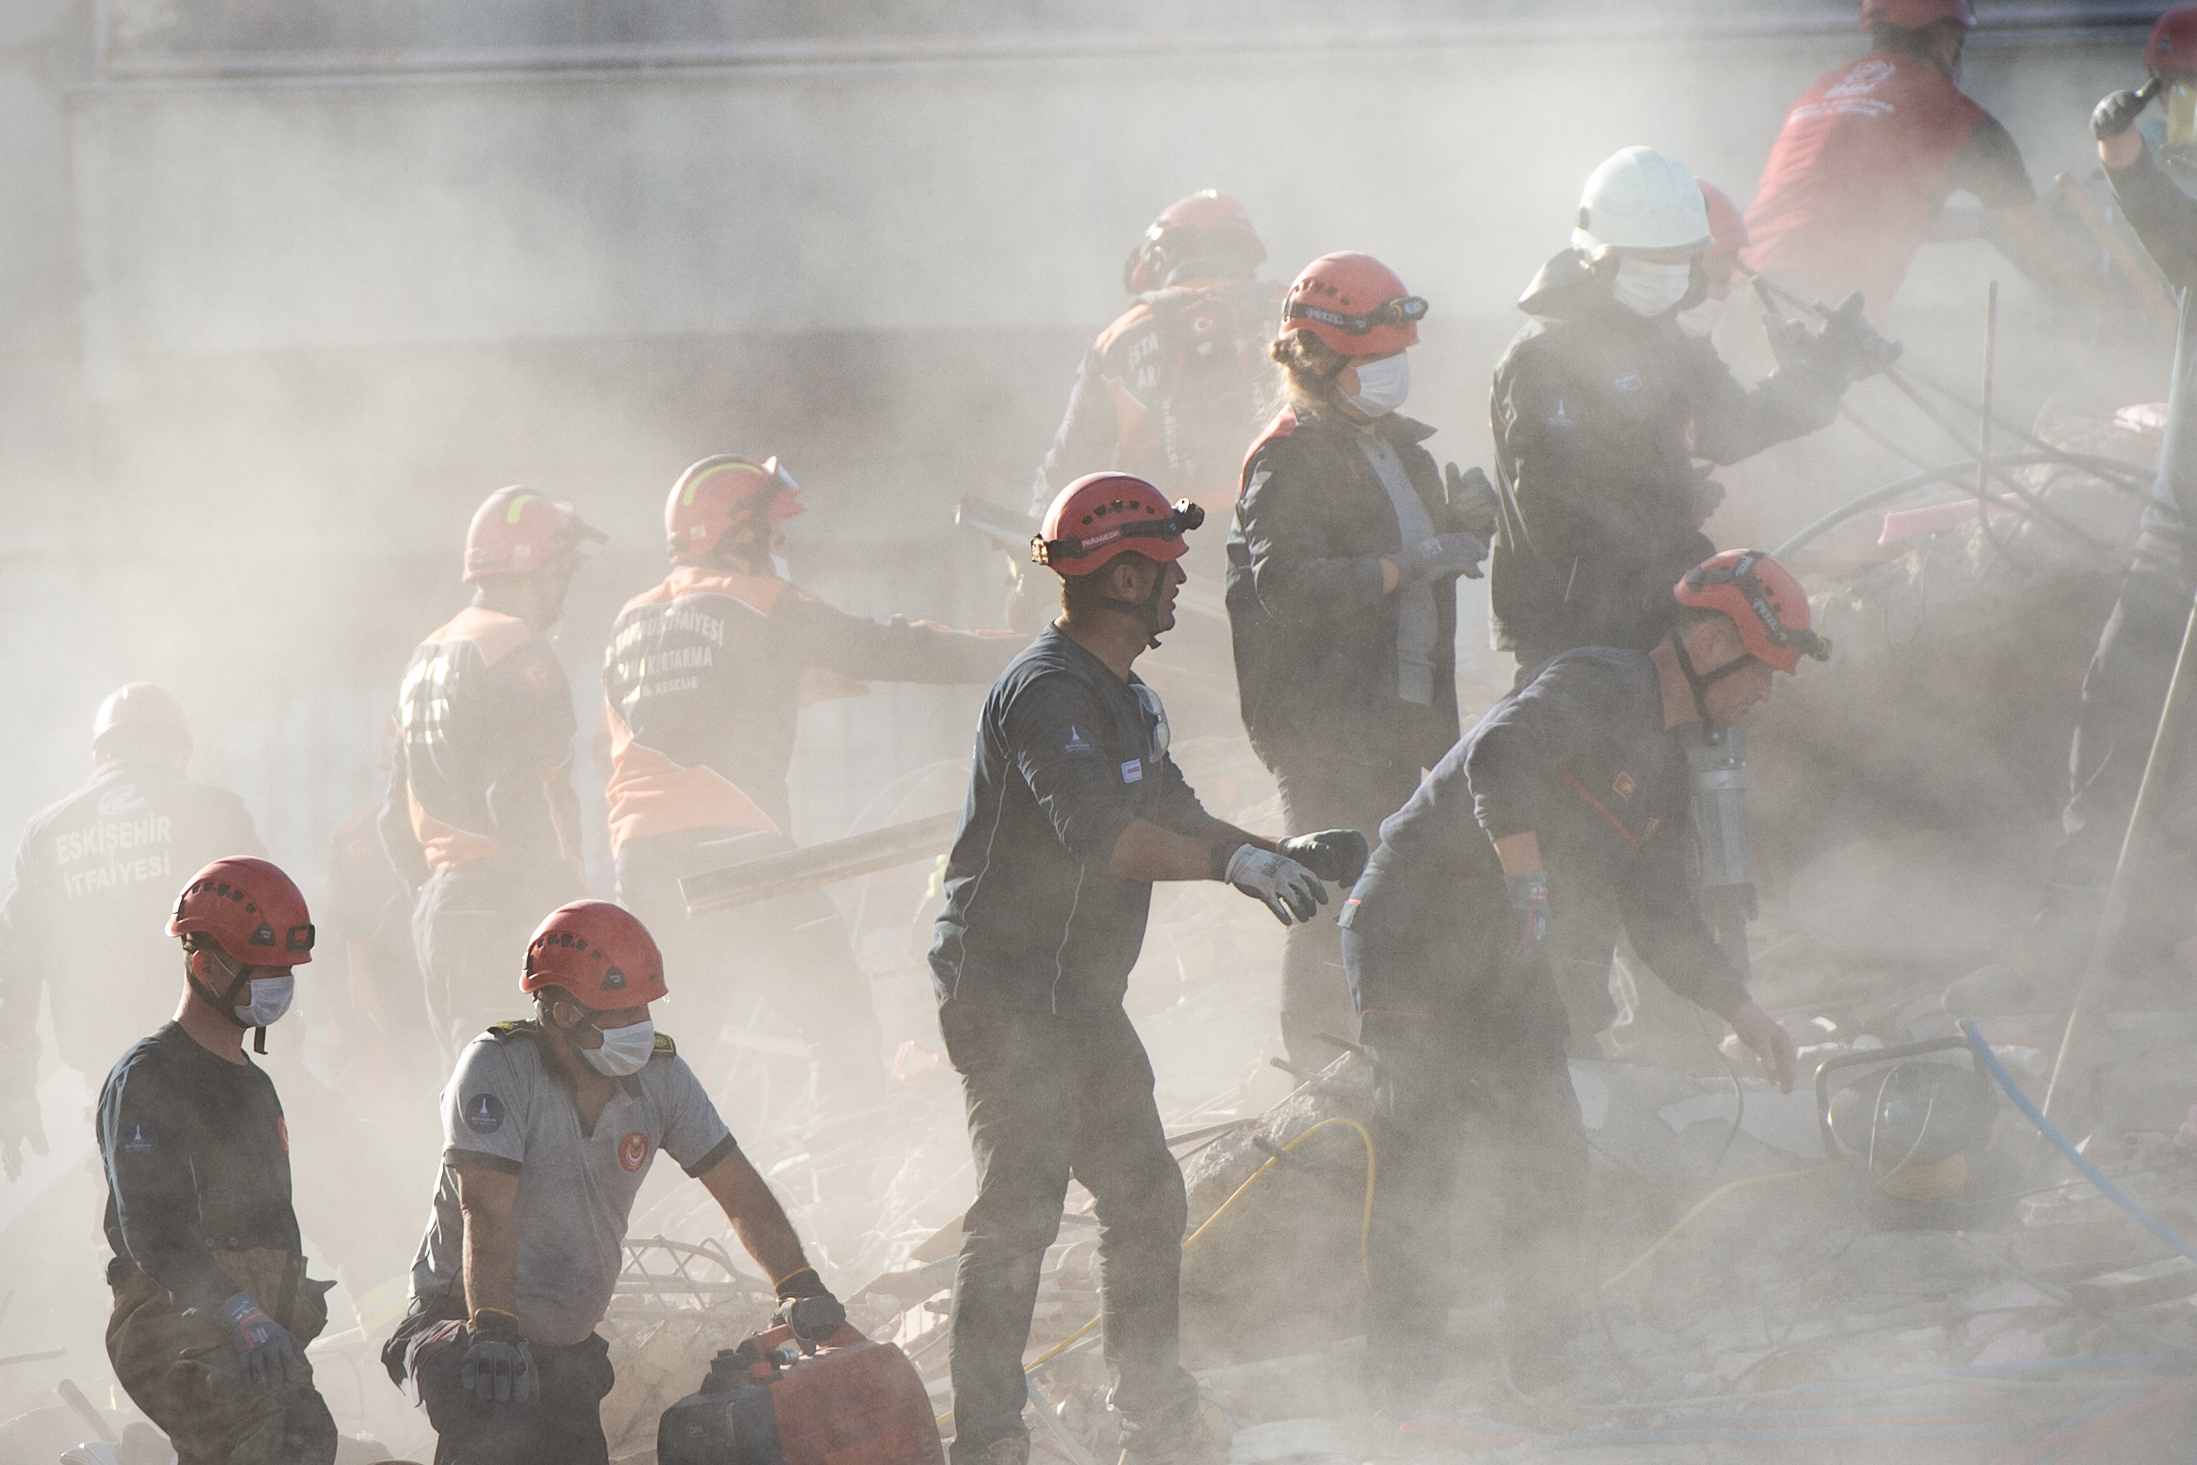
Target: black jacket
x,y
1599,416
1315,635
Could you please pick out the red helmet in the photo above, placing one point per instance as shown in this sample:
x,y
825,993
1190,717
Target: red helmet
x,y
1355,304
144,704
253,912
1101,515
1207,223
720,492
2172,46
1727,225
1913,15
518,530
599,952
1763,600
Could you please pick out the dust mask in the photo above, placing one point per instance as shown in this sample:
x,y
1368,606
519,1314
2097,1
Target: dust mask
x,y
1647,288
270,1000
780,568
1382,385
625,1050
1700,320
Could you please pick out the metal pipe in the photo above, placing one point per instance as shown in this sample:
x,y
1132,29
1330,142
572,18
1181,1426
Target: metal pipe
x,y
773,875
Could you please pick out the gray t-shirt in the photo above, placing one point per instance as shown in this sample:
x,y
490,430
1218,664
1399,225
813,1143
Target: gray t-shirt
x,y
1418,622
509,1107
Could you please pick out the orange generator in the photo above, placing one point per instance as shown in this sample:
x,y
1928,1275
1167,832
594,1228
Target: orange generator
x,y
769,1402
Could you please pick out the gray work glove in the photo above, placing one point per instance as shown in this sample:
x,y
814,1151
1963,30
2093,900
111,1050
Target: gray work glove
x,y
1293,893
264,1347
1444,554
1472,499
2117,114
1529,902
20,1124
1849,346
814,1319
1336,855
498,1367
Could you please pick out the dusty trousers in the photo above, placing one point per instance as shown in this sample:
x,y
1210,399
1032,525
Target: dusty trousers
x,y
1498,1060
183,1372
1048,1098
561,1426
795,952
2123,694
470,927
1316,796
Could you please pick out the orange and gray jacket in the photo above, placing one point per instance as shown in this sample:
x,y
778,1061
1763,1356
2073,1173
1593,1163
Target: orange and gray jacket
x,y
704,684
483,762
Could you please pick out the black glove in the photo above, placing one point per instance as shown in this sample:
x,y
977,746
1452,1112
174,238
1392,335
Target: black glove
x,y
1444,554
1702,498
1337,856
264,1347
1849,346
1529,901
499,1368
1472,499
2117,114
807,1306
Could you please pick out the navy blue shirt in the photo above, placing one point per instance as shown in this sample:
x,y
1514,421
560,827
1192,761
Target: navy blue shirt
x,y
1068,755
1579,756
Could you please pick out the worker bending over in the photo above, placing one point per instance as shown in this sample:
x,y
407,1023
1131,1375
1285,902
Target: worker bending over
x,y
1074,809
212,1307
550,1126
704,680
1570,795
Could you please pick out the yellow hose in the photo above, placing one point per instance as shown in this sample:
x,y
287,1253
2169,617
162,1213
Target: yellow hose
x,y
1365,1232
1703,1204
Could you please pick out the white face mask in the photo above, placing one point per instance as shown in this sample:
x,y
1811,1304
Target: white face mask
x,y
270,1000
1647,288
1699,320
625,1050
1382,385
780,568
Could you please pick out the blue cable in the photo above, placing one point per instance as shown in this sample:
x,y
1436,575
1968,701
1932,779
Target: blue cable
x,y
2091,1173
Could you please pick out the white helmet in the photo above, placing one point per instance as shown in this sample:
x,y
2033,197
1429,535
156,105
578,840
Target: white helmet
x,y
1640,199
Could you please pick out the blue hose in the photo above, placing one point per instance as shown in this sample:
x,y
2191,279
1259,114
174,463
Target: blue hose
x,y
2091,1173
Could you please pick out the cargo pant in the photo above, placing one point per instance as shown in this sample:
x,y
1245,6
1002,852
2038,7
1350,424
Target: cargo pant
x,y
1049,1098
564,1426
183,1372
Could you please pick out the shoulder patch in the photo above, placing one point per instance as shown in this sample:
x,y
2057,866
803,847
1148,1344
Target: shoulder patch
x,y
1075,741
504,1032
665,1047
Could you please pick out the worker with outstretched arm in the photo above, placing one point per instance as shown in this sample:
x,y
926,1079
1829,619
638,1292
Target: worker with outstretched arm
x,y
212,1307
1570,794
1075,808
2126,686
704,681
550,1126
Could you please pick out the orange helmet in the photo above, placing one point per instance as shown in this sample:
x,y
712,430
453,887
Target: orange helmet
x,y
599,952
517,530
2171,49
1355,304
143,704
1763,600
1102,515
720,492
253,912
1206,224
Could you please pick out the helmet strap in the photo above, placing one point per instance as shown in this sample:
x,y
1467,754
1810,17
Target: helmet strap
x,y
1146,610
224,1003
1701,683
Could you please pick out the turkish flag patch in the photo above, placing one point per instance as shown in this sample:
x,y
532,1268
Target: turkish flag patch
x,y
1623,784
633,1150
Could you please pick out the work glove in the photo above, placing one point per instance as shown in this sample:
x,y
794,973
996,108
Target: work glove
x,y
1472,499
1529,902
807,1306
2117,114
498,1367
1703,496
1849,346
1293,893
20,1124
1444,554
1336,855
264,1348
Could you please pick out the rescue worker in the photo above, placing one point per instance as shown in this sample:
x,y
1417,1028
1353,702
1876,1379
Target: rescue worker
x,y
481,819
1602,403
1343,561
1571,793
2125,688
1861,170
705,678
212,1307
94,880
550,1127
1074,809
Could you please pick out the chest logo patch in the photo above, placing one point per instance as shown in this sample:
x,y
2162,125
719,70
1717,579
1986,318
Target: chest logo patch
x,y
122,799
1628,381
1623,785
1559,417
633,1150
1132,771
139,1139
484,1113
1075,742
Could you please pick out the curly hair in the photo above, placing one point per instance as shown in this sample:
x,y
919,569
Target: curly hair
x,y
1309,368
